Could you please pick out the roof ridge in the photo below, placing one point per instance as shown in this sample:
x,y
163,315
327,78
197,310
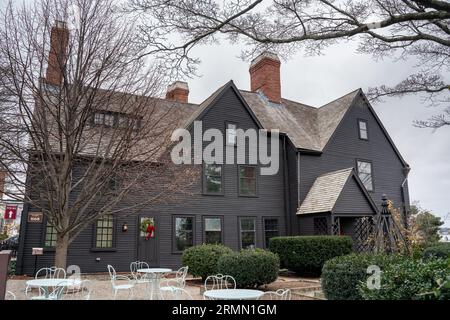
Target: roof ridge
x,y
303,104
330,102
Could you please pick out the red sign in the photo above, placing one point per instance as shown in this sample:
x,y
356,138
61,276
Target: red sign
x,y
10,212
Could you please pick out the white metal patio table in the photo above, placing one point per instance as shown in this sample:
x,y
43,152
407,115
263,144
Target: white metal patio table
x,y
158,273
233,294
45,284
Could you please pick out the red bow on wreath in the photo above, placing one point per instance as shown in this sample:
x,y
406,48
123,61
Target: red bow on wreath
x,y
150,231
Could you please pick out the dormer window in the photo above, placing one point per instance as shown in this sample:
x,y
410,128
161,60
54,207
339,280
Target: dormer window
x,y
363,131
231,134
116,119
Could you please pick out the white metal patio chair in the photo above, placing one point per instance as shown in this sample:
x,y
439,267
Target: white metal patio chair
x,y
178,294
142,278
56,294
174,286
219,282
115,282
281,294
10,296
47,273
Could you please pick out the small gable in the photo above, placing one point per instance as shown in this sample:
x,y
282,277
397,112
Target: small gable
x,y
353,200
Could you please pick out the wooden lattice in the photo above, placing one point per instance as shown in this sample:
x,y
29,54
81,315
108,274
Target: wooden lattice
x,y
364,229
320,226
335,226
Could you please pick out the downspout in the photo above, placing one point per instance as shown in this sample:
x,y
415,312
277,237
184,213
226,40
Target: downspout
x,y
287,204
402,187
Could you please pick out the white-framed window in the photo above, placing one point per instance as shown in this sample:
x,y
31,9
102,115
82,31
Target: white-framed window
x,y
231,134
365,174
213,230
248,233
99,118
363,130
109,120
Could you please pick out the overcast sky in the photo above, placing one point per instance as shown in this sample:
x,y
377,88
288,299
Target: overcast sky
x,y
340,70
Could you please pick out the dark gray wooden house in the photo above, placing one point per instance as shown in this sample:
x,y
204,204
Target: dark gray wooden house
x,y
336,162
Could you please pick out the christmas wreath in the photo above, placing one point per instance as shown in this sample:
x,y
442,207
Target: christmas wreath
x,y
148,227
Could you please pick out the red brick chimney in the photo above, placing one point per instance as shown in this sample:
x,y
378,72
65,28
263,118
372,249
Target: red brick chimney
x,y
265,76
59,39
178,91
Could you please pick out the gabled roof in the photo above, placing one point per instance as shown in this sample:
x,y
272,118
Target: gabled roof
x,y
209,102
325,192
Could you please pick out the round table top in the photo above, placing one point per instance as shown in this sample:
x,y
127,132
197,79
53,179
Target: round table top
x,y
154,270
233,294
51,282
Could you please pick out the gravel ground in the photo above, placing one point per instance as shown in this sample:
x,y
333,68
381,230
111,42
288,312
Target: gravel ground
x,y
101,289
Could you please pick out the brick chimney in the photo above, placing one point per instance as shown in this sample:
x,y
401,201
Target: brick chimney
x,y
59,39
178,91
265,76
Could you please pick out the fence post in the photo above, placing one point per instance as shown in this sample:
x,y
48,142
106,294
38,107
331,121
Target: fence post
x,y
5,256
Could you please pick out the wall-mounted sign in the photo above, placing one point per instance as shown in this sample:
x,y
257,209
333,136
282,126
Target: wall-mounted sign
x,y
37,251
10,212
35,217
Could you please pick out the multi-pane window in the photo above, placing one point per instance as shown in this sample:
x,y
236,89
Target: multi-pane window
x,y
50,235
104,232
184,233
213,230
270,230
247,181
213,178
115,119
248,233
363,133
99,118
365,174
231,134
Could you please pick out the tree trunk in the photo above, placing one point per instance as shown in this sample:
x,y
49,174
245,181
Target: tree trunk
x,y
62,244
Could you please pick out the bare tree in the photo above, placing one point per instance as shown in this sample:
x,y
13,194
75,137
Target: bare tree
x,y
80,135
402,28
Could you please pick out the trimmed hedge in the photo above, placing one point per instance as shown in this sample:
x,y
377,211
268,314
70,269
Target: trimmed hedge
x,y
341,276
441,250
202,259
306,255
411,279
250,268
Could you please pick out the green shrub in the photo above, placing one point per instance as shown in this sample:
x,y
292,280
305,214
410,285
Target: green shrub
x,y
12,267
250,268
411,279
202,260
342,275
306,255
441,250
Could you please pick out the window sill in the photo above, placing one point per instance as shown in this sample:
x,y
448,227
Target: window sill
x,y
247,196
103,249
213,194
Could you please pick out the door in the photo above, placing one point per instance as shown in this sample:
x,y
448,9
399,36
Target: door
x,y
148,240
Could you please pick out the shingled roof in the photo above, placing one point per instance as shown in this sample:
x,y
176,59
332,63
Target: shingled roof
x,y
325,191
307,127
